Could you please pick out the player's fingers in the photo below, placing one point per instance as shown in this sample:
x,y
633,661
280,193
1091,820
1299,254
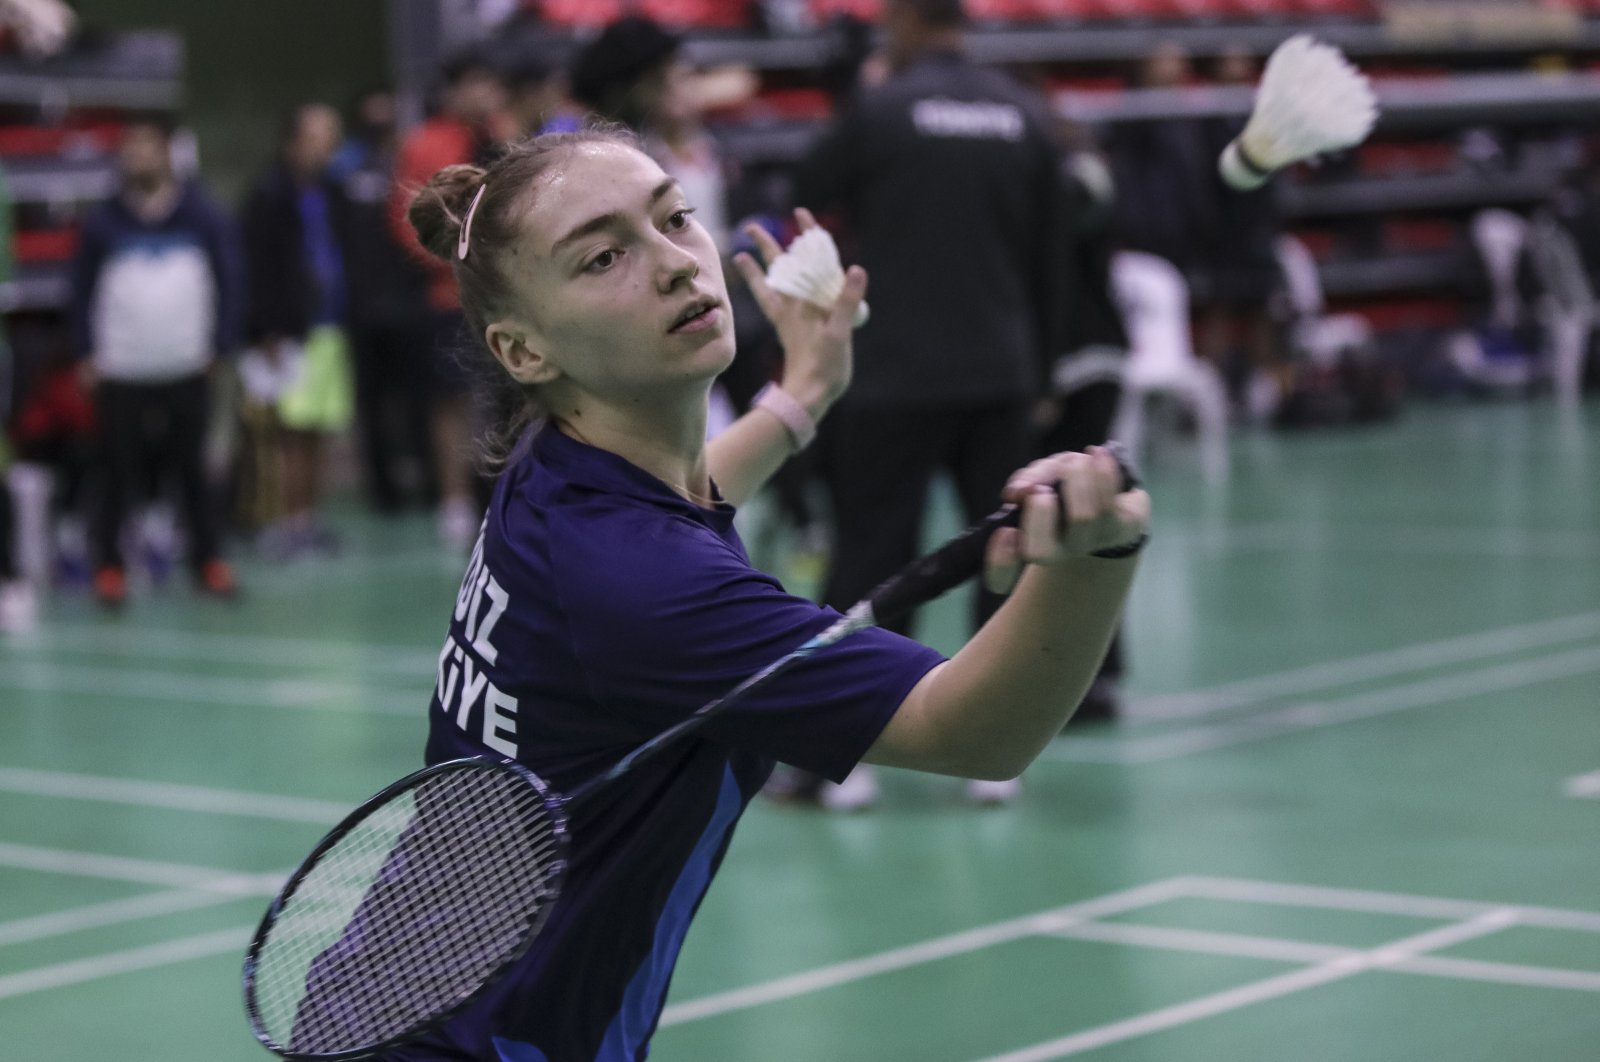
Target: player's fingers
x,y
804,218
1043,472
756,277
1108,476
1041,524
769,247
1002,561
855,289
1080,487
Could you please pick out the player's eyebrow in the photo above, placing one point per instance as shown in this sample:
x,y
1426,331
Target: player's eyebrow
x,y
606,220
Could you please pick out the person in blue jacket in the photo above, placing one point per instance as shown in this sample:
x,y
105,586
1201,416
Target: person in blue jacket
x,y
609,595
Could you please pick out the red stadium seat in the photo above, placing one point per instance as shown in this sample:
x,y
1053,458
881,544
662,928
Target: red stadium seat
x,y
1006,10
45,245
34,140
697,14
1380,159
1420,234
866,10
581,14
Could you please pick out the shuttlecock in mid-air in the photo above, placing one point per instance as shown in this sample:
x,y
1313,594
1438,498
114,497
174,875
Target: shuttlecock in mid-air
x,y
1311,100
810,269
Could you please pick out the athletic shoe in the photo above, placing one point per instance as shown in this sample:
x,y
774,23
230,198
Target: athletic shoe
x,y
217,579
858,792
111,586
993,794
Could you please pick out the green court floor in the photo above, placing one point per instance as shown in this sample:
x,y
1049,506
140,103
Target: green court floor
x,y
1351,811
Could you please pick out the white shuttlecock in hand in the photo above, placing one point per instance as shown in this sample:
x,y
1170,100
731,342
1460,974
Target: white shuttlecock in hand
x,y
1311,100
810,269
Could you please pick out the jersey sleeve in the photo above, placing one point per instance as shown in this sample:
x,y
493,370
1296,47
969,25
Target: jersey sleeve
x,y
679,617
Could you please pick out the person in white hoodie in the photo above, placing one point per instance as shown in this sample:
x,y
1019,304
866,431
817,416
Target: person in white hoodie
x,y
156,296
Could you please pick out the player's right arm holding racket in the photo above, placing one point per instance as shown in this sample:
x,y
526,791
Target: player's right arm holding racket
x,y
992,708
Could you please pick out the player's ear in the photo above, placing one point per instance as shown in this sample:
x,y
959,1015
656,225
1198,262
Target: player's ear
x,y
520,351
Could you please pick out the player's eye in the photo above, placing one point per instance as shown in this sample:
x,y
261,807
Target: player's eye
x,y
679,219
602,261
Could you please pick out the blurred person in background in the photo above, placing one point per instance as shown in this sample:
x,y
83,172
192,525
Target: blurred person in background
x,y
1166,177
387,315
634,73
296,236
1237,332
472,121
17,607
157,291
946,177
541,99
1086,376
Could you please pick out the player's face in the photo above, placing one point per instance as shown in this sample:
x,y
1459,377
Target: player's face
x,y
316,139
622,289
145,155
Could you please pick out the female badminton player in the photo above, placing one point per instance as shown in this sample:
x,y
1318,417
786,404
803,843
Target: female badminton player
x,y
609,595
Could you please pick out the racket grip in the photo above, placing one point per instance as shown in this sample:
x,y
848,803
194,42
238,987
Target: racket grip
x,y
962,557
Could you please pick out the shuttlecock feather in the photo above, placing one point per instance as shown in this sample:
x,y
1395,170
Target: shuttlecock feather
x,y
1311,100
810,269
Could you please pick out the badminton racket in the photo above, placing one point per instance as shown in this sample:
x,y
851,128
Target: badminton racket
x,y
428,892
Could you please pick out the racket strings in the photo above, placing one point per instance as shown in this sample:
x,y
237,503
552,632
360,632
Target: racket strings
x,y
410,912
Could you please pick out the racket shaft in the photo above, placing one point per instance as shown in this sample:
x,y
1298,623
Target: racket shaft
x,y
961,558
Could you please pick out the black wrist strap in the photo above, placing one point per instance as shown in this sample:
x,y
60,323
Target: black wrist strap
x,y
1127,549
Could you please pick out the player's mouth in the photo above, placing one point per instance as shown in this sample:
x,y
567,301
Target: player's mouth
x,y
699,315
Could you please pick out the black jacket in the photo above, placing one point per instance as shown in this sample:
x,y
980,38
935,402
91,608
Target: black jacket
x,y
282,290
946,177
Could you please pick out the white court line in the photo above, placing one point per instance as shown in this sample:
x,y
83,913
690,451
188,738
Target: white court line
x,y
1299,681
144,958
142,871
1498,542
1501,973
209,646
1232,944
1584,785
928,951
1245,890
116,912
1298,951
1336,969
175,687
167,795
1318,714
1078,920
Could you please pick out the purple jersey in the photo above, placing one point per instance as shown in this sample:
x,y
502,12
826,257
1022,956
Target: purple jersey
x,y
598,609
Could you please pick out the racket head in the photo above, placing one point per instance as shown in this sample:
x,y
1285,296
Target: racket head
x,y
407,911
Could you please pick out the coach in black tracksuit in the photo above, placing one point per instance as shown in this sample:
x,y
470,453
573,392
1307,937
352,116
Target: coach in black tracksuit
x,y
945,175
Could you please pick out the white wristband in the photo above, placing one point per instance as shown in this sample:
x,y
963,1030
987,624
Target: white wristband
x,y
794,417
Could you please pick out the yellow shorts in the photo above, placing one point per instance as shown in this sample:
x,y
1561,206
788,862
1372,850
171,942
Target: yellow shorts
x,y
322,395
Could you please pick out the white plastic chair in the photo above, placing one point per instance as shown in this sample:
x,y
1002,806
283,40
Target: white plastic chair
x,y
1315,334
1154,299
1567,309
1500,236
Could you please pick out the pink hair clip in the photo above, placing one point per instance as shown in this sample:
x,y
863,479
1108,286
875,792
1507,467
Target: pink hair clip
x,y
466,226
